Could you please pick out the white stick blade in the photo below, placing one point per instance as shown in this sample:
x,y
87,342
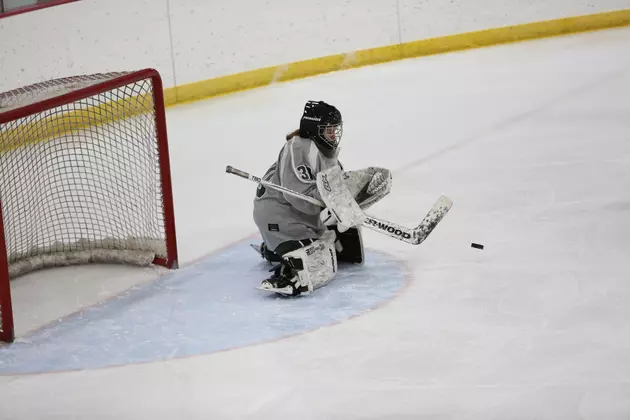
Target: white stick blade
x,y
433,217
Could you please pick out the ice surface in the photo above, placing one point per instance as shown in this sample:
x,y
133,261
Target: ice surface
x,y
202,308
531,142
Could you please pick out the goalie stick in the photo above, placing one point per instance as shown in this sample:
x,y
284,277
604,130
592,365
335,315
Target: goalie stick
x,y
411,236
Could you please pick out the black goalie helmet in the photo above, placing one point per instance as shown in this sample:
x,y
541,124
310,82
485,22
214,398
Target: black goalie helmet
x,y
322,123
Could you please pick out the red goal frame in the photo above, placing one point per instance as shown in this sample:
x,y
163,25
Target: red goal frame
x,y
32,7
7,333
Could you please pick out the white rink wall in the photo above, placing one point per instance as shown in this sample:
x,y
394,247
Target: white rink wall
x,y
89,36
193,40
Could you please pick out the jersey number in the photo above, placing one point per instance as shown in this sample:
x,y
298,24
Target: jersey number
x,y
306,174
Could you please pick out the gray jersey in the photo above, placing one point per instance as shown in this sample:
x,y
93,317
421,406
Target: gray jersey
x,y
281,217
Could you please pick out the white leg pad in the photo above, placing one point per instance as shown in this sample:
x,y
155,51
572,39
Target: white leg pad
x,y
319,260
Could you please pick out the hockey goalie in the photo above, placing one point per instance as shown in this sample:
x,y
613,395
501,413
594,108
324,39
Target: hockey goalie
x,y
304,240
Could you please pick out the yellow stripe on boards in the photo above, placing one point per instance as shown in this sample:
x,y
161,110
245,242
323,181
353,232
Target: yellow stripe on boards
x,y
35,129
291,71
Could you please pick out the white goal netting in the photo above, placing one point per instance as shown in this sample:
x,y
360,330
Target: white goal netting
x,y
81,181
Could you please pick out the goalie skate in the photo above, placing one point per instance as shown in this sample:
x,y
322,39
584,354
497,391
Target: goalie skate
x,y
267,286
283,281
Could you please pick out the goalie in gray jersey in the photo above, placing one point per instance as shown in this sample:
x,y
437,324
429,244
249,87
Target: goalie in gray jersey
x,y
303,237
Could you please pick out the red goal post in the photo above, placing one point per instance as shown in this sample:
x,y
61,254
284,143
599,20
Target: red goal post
x,y
84,177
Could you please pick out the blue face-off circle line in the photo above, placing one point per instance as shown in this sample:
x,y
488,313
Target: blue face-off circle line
x,y
209,306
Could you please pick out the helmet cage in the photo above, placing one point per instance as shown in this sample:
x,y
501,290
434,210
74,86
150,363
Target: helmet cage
x,y
330,134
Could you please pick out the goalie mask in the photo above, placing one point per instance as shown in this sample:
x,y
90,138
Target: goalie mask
x,y
322,123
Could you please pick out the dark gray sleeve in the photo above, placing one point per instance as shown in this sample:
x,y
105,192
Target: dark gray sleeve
x,y
297,171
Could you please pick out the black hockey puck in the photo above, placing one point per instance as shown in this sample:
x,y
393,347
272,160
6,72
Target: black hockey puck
x,y
478,246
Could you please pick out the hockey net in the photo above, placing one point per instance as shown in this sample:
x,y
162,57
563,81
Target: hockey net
x,y
84,176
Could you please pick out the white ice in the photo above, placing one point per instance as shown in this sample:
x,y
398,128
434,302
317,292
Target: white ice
x,y
531,141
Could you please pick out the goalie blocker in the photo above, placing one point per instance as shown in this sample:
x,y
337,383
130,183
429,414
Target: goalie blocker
x,y
346,195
